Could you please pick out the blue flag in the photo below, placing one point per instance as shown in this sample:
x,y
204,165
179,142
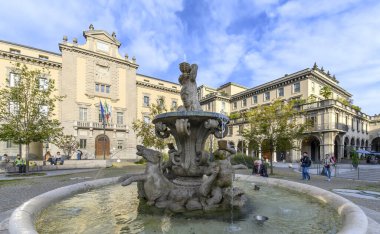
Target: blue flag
x,y
102,111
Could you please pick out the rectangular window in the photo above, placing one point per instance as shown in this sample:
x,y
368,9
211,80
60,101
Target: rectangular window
x,y
15,51
241,129
146,119
254,98
120,144
100,117
43,83
230,130
13,79
357,125
209,106
280,92
107,89
352,124
97,87
267,96
13,108
174,104
44,110
146,100
82,143
82,114
235,105
120,117
102,88
244,102
296,87
312,87
9,144
223,106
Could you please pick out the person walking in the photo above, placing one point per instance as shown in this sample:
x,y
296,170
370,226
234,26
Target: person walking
x,y
305,164
79,154
327,164
21,164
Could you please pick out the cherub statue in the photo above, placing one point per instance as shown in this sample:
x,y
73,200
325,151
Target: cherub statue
x,y
189,87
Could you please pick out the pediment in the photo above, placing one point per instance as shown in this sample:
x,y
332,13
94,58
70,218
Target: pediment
x,y
102,35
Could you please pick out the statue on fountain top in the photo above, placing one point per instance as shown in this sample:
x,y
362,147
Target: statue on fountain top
x,y
189,87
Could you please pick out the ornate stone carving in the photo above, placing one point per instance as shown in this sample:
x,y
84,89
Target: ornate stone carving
x,y
190,179
189,87
183,127
161,130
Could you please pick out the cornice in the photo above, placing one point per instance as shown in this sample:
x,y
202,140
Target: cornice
x,y
97,55
144,84
28,59
211,98
321,78
289,79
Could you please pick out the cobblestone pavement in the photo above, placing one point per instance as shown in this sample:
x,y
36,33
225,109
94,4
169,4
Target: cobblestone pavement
x,y
15,192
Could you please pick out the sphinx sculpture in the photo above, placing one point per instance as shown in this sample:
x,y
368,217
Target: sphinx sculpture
x,y
191,179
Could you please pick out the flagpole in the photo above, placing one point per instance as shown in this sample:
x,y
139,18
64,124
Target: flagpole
x,y
105,138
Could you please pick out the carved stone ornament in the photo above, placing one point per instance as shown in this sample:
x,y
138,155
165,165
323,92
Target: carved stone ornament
x,y
161,130
183,127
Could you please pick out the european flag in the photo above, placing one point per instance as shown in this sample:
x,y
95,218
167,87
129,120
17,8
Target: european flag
x,y
102,111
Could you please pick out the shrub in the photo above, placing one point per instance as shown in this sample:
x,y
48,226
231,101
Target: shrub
x,y
141,161
355,158
240,158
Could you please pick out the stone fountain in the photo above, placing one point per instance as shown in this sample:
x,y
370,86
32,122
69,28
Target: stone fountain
x,y
191,179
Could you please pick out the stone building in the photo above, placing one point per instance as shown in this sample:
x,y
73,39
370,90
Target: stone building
x,y
87,75
95,71
337,126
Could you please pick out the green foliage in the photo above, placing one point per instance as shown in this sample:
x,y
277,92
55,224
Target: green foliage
x,y
165,157
67,143
28,107
357,108
354,158
344,101
326,92
141,161
146,130
240,158
275,126
234,115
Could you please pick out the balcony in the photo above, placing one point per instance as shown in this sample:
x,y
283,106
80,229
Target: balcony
x,y
98,125
329,127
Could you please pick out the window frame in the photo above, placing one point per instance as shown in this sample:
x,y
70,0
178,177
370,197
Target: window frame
x,y
294,87
83,113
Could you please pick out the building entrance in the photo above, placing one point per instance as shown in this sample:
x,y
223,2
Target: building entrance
x,y
102,147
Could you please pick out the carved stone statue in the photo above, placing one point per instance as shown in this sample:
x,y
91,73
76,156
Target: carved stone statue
x,y
189,87
190,179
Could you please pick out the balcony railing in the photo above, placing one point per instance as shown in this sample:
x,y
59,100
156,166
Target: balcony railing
x,y
99,125
330,102
330,127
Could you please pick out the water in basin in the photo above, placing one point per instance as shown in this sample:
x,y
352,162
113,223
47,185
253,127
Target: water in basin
x,y
116,209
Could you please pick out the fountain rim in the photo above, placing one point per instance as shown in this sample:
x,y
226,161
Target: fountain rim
x,y
23,217
190,115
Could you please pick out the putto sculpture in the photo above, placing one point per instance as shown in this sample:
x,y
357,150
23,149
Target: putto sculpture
x,y
191,179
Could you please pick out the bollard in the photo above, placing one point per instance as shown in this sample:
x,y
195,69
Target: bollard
x,y
358,172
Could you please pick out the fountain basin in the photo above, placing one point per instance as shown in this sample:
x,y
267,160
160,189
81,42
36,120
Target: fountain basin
x,y
24,217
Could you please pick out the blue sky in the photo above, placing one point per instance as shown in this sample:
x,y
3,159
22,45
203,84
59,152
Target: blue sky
x,y
247,42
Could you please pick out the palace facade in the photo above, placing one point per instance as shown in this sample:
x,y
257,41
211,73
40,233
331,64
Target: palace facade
x,y
95,71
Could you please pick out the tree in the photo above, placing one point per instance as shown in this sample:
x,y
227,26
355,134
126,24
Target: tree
x,y
145,130
274,127
68,143
326,92
28,103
